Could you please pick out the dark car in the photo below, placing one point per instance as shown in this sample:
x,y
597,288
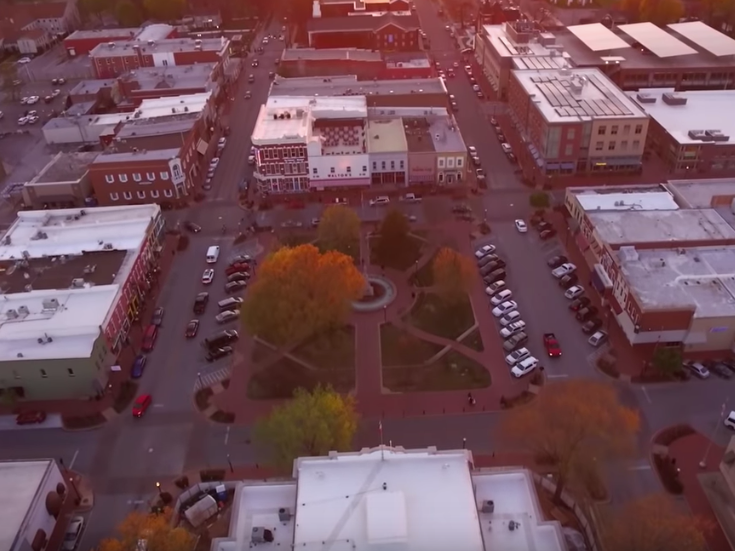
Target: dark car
x,y
30,418
149,338
501,137
158,316
497,275
192,227
556,261
511,158
568,280
238,276
191,329
718,369
586,313
485,260
497,264
543,225
547,234
138,366
238,267
218,353
200,303
729,364
241,259
592,325
459,209
579,303
234,286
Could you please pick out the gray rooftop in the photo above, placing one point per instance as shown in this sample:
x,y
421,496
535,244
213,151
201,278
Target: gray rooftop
x,y
350,86
152,155
103,33
176,124
446,136
87,87
65,167
702,278
167,45
337,54
20,482
660,226
703,193
175,76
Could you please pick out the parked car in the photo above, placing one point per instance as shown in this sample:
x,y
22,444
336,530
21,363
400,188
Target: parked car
x,y
574,292
556,261
591,325
698,369
521,226
379,201
484,251
158,316
563,269
208,276
718,369
73,534
497,275
238,276
502,296
494,288
598,338
586,313
514,341
149,338
504,308
227,316
237,267
568,280
524,367
192,328
512,328
517,355
510,317
200,303
218,353
487,259
138,366
547,234
192,227
234,286
579,303
30,418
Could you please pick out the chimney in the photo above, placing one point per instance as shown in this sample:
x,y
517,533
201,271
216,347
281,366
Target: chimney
x,y
316,10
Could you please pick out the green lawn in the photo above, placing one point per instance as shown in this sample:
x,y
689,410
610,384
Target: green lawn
x,y
474,341
280,379
352,250
424,277
335,350
399,347
433,315
453,371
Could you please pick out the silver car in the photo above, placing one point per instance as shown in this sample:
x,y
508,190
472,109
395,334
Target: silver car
x,y
72,534
227,316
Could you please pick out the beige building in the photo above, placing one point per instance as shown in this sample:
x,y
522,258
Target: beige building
x,y
63,182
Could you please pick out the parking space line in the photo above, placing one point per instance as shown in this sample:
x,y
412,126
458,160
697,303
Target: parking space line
x,y
558,376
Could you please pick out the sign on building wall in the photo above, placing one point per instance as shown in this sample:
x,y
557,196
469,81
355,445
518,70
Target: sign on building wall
x,y
177,172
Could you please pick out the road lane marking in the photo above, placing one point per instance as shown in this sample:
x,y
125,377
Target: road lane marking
x,y
227,435
73,460
640,468
558,376
157,405
645,393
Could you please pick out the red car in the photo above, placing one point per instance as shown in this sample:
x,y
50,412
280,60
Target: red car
x,y
191,329
30,418
239,267
149,338
141,404
552,345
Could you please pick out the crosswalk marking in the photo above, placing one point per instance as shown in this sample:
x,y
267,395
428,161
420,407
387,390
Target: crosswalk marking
x,y
207,380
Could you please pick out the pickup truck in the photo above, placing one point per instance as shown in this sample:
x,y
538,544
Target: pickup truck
x,y
552,345
410,198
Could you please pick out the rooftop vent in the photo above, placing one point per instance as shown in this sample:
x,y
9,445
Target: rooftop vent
x,y
628,254
673,99
45,339
77,283
717,135
107,247
90,268
111,45
698,135
262,535
643,97
50,304
23,310
11,314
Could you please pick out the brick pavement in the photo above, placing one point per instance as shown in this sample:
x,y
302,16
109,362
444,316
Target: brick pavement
x,y
688,452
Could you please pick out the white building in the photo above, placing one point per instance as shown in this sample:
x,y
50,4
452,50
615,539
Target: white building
x,y
31,495
391,499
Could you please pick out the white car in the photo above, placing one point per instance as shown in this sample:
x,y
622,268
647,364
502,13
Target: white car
x,y
564,269
512,329
55,93
502,296
32,100
214,162
23,100
524,367
33,119
73,534
495,288
506,148
227,316
521,226
251,159
484,251
503,308
378,201
24,60
22,121
574,291
208,276
598,338
517,355
472,150
510,317
730,420
221,143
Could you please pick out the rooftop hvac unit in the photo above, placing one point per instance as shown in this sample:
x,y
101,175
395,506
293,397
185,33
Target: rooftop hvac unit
x,y
717,135
488,506
77,283
262,535
284,515
23,310
11,314
697,135
50,304
643,97
673,99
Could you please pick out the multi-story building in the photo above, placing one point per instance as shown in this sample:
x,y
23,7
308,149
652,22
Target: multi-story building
x,y
317,143
82,42
340,8
62,183
421,499
55,18
575,121
73,282
384,31
34,494
112,59
688,132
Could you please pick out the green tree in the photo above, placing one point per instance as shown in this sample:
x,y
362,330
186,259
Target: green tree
x,y
539,200
165,10
339,230
128,14
9,73
393,242
454,274
92,8
312,424
661,12
667,361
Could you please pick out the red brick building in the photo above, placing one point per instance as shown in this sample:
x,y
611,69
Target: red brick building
x,y
340,8
84,41
158,82
116,58
384,32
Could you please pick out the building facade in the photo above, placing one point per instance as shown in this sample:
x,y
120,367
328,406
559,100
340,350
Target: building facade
x,y
389,31
341,8
82,42
62,183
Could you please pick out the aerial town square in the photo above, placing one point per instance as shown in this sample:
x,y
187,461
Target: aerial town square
x,y
395,275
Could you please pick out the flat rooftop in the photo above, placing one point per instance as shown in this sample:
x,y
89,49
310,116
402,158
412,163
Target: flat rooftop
x,y
350,86
577,95
711,193
110,120
20,481
418,134
172,77
700,278
701,111
175,124
103,33
91,87
394,499
119,48
501,37
591,200
65,167
329,54
172,105
147,155
386,136
363,21
661,226
446,135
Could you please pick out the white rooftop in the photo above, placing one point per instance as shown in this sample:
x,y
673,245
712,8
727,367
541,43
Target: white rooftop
x,y
702,278
19,483
157,31
651,200
166,106
289,119
704,36
386,135
709,193
656,40
597,37
393,500
661,226
702,111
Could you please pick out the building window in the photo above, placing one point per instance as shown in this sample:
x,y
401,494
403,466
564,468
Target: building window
x,y
151,176
570,133
611,146
349,170
636,145
114,196
141,195
315,171
123,177
70,371
626,130
331,170
441,162
598,146
624,145
127,195
375,165
400,165
109,178
16,375
460,162
392,165
364,168
568,149
614,130
44,374
164,175
382,165
168,193
601,130
154,193
136,176
638,128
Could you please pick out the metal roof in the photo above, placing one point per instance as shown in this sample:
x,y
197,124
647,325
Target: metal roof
x,y
706,37
597,37
657,40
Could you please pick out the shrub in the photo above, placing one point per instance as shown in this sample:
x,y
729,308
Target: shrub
x,y
220,416
182,482
166,498
124,396
539,200
537,378
183,243
671,434
212,475
669,474
202,397
83,421
607,366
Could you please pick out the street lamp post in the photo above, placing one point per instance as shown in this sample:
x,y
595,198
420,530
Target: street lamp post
x,y
232,470
416,267
199,378
385,313
158,487
703,463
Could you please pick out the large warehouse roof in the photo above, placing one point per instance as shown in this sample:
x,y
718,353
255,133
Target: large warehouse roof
x,y
657,40
597,37
705,37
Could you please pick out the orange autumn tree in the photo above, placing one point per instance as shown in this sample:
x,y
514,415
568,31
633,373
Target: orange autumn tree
x,y
155,529
652,523
301,292
572,425
453,273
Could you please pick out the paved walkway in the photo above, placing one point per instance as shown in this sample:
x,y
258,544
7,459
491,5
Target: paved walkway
x,y
688,452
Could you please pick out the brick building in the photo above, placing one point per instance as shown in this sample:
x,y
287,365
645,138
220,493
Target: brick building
x,y
364,64
82,42
383,31
159,82
112,59
341,8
